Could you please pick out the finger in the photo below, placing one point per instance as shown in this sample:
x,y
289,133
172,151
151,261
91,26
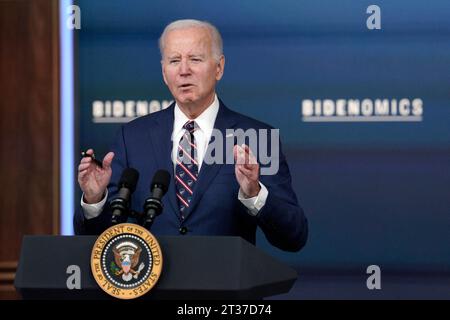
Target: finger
x,y
251,174
86,160
81,175
249,155
235,152
251,164
90,151
247,175
107,160
251,167
238,172
84,166
245,171
246,148
244,153
240,157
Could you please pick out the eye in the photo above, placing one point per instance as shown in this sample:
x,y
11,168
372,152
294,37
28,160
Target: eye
x,y
196,59
174,61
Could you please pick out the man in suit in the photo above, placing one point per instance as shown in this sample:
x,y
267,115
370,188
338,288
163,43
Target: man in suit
x,y
203,198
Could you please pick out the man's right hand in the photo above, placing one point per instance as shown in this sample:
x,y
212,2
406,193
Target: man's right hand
x,y
92,179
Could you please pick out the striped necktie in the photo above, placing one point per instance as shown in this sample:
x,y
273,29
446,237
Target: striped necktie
x,y
186,169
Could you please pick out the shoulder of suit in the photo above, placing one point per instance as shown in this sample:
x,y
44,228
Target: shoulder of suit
x,y
147,120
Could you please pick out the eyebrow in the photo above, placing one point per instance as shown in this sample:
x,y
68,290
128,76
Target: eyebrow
x,y
176,56
196,55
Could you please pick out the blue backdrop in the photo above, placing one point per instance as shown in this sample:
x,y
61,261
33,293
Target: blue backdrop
x,y
375,192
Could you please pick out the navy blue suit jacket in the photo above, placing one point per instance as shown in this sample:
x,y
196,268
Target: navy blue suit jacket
x,y
145,144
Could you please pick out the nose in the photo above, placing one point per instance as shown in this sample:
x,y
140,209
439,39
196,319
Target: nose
x,y
185,69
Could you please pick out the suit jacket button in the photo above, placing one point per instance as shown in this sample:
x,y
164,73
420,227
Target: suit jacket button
x,y
183,230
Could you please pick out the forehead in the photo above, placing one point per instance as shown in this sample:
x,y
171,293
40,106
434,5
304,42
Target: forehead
x,y
187,40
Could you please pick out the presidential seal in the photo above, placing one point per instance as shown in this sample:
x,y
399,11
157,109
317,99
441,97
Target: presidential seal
x,y
126,261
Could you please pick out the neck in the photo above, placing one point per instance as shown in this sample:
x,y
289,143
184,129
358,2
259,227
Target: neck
x,y
193,110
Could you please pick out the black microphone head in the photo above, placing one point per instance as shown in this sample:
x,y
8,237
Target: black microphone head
x,y
162,180
129,179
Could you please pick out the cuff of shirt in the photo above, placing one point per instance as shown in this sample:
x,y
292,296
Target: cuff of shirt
x,y
256,203
93,210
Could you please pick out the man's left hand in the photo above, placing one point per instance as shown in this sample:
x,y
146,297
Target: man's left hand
x,y
246,170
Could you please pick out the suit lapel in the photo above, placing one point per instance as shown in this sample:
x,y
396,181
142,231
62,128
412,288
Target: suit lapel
x,y
208,172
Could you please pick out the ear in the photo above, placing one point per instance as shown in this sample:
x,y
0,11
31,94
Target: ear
x,y
220,68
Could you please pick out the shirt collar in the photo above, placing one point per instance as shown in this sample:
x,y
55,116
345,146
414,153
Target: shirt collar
x,y
205,120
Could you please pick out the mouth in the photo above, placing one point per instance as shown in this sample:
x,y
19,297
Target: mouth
x,y
186,86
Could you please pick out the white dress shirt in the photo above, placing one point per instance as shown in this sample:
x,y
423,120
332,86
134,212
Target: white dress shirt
x,y
202,135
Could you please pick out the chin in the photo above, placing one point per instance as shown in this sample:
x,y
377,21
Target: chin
x,y
187,99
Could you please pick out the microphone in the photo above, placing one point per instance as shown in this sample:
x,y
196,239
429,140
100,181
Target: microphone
x,y
158,188
127,185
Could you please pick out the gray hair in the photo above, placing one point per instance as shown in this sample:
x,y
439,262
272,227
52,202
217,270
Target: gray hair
x,y
217,43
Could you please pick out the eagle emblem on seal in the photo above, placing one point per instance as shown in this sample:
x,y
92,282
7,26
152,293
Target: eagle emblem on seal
x,y
126,260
